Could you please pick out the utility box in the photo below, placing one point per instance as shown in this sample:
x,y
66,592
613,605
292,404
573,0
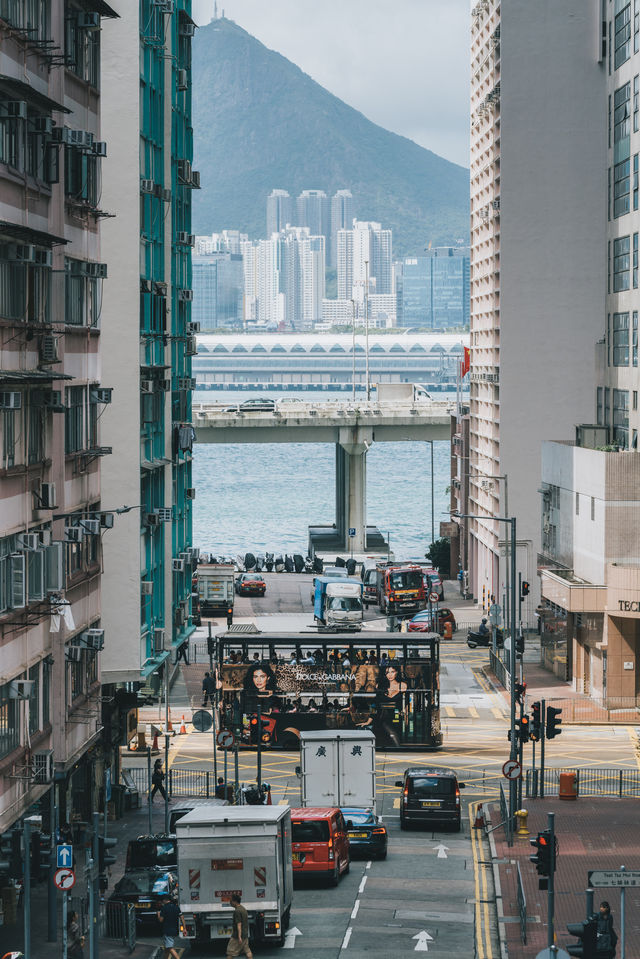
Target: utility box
x,y
338,768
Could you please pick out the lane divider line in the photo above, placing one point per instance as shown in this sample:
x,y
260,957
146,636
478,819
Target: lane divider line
x,y
368,866
347,937
354,911
363,883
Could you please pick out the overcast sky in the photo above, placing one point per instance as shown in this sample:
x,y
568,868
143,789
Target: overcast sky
x,y
403,63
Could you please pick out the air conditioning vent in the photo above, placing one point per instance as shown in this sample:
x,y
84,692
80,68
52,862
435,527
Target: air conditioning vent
x,y
190,493
43,126
187,29
46,498
10,401
93,639
165,514
14,109
185,239
194,550
146,587
88,21
91,526
21,689
186,383
100,148
147,186
193,326
160,287
185,296
184,171
151,519
101,395
106,520
177,565
29,541
43,767
146,386
183,80
195,179
49,400
158,640
191,346
49,349
73,534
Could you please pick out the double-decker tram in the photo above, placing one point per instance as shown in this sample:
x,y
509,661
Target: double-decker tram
x,y
272,686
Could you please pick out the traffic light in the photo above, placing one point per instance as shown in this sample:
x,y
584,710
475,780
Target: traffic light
x,y
553,721
524,589
522,729
542,858
11,854
519,643
211,645
536,722
264,734
105,858
587,932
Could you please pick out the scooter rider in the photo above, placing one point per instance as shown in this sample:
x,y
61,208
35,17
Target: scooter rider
x,y
483,629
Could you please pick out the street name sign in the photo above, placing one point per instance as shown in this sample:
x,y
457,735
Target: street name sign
x,y
610,879
512,769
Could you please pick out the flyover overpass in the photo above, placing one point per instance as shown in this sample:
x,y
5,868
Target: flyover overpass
x,y
351,426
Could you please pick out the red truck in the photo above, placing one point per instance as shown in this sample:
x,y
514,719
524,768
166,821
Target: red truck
x,y
400,588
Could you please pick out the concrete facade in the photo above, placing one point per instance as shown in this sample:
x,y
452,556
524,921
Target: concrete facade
x,y
538,94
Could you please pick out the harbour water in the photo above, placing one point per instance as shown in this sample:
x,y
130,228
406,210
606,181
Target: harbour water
x,y
263,497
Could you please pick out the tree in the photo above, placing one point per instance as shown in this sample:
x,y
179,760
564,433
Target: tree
x,y
438,553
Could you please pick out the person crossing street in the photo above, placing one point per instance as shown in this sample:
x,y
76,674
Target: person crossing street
x,y
238,945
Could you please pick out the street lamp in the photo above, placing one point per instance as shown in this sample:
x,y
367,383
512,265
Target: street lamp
x,y
512,661
353,347
366,327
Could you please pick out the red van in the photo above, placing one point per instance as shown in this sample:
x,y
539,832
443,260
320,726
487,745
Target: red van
x,y
320,843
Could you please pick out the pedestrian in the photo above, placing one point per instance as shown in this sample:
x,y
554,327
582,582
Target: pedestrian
x,y
182,652
169,917
607,936
208,688
221,789
238,945
157,780
75,939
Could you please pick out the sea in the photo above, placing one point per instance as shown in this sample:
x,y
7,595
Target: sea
x,y
263,497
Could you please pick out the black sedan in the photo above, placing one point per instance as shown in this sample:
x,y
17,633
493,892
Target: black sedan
x,y
367,835
145,888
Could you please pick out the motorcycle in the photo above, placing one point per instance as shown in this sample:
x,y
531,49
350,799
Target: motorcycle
x,y
474,638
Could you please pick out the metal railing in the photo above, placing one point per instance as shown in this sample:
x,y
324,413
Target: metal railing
x,y
499,669
589,782
117,920
522,905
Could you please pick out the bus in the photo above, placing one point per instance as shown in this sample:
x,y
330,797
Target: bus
x,y
272,686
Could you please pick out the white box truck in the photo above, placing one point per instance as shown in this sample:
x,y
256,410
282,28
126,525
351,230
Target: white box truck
x,y
338,768
245,849
216,588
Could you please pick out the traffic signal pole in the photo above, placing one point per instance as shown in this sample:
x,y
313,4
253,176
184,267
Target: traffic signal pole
x,y
551,888
26,838
95,885
52,904
543,713
514,744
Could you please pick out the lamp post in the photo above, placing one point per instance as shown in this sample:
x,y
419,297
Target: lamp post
x,y
366,327
353,349
513,754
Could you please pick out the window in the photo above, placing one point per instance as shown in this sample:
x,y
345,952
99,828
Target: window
x,y
577,504
634,340
621,122
46,692
609,124
9,438
635,399
35,575
621,189
82,47
634,439
622,37
81,175
83,295
609,193
621,418
35,439
620,339
593,508
12,575
636,103
599,415
635,181
9,730
34,702
607,406
621,264
609,267
74,419
77,673
635,262
25,287
29,16
636,25
608,339
23,145
610,46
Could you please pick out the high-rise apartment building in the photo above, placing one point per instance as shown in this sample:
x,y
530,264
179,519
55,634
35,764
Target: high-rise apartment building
x,y
537,266
149,342
314,212
435,289
281,210
290,278
342,217
218,291
52,524
364,251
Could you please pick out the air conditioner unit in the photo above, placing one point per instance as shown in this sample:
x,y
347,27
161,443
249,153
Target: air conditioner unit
x,y
49,349
81,139
183,80
101,395
186,383
49,400
15,109
147,186
194,550
43,767
146,386
164,386
98,270
88,21
158,639
191,346
91,526
10,401
145,286
47,496
22,252
166,6
29,541
164,513
185,557
146,587
93,638
43,126
43,258
151,519
190,493
193,326
165,194
21,688
185,239
73,534
100,148
73,654
178,617
185,296
160,287
44,535
195,179
187,29
106,520
184,171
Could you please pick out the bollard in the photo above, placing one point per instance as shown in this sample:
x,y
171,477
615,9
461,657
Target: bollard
x,y
522,816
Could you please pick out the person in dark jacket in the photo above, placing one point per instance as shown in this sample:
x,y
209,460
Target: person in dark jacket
x,y
157,780
607,937
208,689
75,939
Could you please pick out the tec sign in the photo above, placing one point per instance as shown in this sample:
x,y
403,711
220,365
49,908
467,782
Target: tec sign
x,y
629,606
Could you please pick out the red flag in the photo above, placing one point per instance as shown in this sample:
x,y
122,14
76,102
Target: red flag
x,y
466,363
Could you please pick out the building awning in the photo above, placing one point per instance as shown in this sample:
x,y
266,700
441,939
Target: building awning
x,y
98,6
26,234
185,16
572,594
31,376
19,90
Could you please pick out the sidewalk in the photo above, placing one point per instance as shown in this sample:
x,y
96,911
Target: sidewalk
x,y
134,823
592,834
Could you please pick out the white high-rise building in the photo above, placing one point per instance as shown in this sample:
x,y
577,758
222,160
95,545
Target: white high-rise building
x,y
280,211
366,249
342,216
538,215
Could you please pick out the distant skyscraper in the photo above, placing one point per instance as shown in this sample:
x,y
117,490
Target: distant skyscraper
x,y
289,279
435,289
342,216
314,212
280,211
364,248
218,287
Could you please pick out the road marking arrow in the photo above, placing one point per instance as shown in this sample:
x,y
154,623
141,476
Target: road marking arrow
x,y
423,939
290,938
442,854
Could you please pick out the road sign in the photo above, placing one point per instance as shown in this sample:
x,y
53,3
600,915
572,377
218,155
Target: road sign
x,y
512,769
225,739
202,721
609,879
65,879
495,614
65,855
290,938
433,597
352,531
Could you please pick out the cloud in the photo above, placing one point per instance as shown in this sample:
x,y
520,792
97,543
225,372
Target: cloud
x,y
404,64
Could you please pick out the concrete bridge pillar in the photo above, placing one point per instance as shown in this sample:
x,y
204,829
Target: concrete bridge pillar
x,y
351,486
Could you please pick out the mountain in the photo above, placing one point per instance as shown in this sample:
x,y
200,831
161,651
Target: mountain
x,y
261,123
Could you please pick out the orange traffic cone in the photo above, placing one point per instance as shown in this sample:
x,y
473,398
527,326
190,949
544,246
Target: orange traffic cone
x,y
479,820
170,725
183,728
269,799
155,747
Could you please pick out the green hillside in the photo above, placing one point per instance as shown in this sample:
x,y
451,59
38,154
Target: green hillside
x,y
261,123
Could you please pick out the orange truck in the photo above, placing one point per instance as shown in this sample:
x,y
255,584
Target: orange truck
x,y
400,589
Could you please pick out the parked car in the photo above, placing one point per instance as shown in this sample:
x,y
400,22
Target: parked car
x,y
250,584
367,835
430,796
424,621
320,843
146,888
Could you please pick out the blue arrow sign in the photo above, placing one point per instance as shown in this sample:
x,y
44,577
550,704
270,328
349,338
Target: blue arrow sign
x,y
65,856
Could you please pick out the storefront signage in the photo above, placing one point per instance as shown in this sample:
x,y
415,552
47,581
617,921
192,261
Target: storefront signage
x,y
628,665
629,605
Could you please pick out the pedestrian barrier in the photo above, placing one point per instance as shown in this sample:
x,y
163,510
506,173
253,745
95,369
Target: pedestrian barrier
x,y
589,781
522,905
117,921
